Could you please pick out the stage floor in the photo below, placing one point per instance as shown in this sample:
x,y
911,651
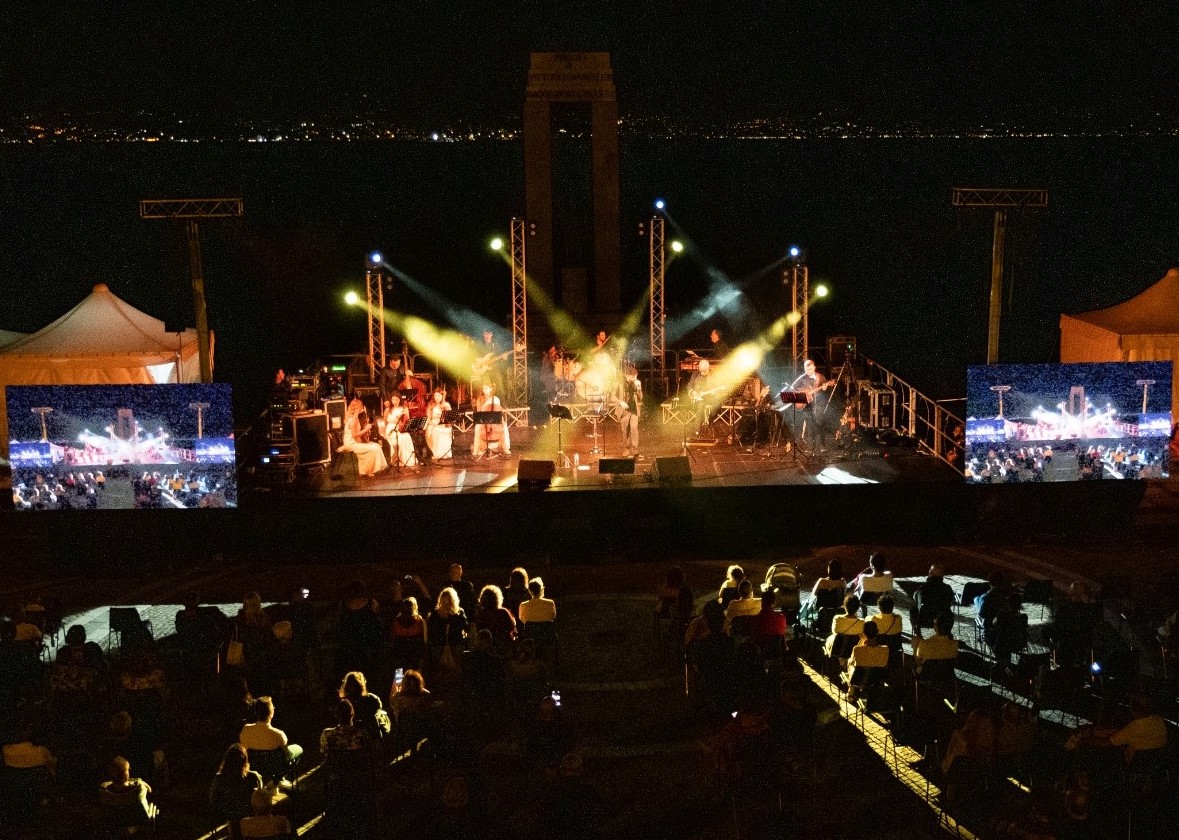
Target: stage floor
x,y
717,460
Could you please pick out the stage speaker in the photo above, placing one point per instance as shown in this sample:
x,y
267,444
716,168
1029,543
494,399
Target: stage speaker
x,y
535,475
313,439
672,470
616,466
335,411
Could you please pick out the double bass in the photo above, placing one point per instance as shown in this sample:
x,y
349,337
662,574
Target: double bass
x,y
415,402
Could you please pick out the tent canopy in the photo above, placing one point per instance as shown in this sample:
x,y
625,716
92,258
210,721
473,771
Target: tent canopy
x,y
1144,328
101,341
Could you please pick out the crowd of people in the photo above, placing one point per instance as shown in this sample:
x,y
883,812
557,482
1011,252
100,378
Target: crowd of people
x,y
991,463
204,487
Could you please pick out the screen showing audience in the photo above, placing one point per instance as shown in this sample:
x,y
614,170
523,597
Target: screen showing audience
x,y
1075,422
90,447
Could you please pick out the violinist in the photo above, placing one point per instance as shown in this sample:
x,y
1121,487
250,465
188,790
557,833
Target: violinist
x,y
370,460
439,434
490,436
401,449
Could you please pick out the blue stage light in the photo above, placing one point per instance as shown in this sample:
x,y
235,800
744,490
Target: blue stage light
x,y
375,258
660,204
795,250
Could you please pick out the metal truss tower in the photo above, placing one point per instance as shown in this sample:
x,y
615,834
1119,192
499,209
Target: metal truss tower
x,y
797,277
374,300
519,381
191,210
658,314
1001,199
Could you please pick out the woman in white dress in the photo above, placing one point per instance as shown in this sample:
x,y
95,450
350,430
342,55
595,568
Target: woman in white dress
x,y
490,436
401,450
439,435
370,460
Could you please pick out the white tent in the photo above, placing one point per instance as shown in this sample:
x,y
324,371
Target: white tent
x,y
1144,328
101,341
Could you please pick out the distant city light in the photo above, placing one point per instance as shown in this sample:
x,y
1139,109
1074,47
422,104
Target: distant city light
x,y
434,136
351,298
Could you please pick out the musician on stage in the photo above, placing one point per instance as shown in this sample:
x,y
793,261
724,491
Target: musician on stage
x,y
487,364
370,460
389,378
439,434
719,348
628,396
706,393
401,448
490,435
813,384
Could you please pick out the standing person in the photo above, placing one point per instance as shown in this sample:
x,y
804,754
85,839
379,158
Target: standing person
x,y
705,393
720,349
812,383
628,397
390,377
490,436
463,588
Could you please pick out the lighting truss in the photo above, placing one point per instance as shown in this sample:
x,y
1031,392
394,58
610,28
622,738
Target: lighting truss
x,y
658,314
797,277
519,383
374,299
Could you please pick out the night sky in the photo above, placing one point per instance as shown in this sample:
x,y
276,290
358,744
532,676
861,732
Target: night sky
x,y
444,61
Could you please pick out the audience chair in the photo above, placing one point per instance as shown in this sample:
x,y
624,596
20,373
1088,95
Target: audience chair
x,y
124,622
124,816
545,635
272,765
971,590
1038,591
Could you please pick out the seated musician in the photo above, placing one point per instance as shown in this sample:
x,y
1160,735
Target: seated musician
x,y
439,434
486,366
401,449
490,436
706,393
370,459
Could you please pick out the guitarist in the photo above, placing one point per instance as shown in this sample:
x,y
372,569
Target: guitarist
x,y
706,393
813,384
486,365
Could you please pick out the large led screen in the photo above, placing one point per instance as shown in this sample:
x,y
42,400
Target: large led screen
x,y
1099,421
85,447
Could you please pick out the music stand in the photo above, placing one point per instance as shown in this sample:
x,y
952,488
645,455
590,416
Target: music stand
x,y
560,413
488,418
793,400
597,407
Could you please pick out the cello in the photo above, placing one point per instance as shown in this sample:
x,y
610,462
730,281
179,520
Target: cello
x,y
415,402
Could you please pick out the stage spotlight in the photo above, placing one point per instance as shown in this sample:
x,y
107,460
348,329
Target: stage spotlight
x,y
821,291
795,251
793,318
660,204
496,244
677,246
375,258
351,298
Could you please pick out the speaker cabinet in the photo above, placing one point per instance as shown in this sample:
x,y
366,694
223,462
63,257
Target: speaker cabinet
x,y
672,470
535,475
616,466
313,439
335,412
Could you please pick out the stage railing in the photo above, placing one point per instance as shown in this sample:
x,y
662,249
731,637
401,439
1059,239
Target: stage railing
x,y
918,416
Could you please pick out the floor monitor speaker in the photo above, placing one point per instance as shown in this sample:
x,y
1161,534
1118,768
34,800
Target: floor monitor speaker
x,y
673,470
535,475
313,438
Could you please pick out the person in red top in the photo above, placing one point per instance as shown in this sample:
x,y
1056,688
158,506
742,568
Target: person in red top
x,y
769,623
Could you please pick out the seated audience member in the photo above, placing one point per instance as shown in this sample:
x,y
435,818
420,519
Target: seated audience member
x,y
410,696
482,674
847,624
464,589
869,653
675,599
24,754
537,608
368,713
745,604
1008,632
516,591
137,743
80,653
264,823
874,581
492,616
940,645
359,630
262,736
768,624
408,636
710,656
526,675
1146,730
572,808
446,628
932,598
124,799
730,589
231,795
975,739
547,735
992,602
827,593
345,736
1071,631
299,611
